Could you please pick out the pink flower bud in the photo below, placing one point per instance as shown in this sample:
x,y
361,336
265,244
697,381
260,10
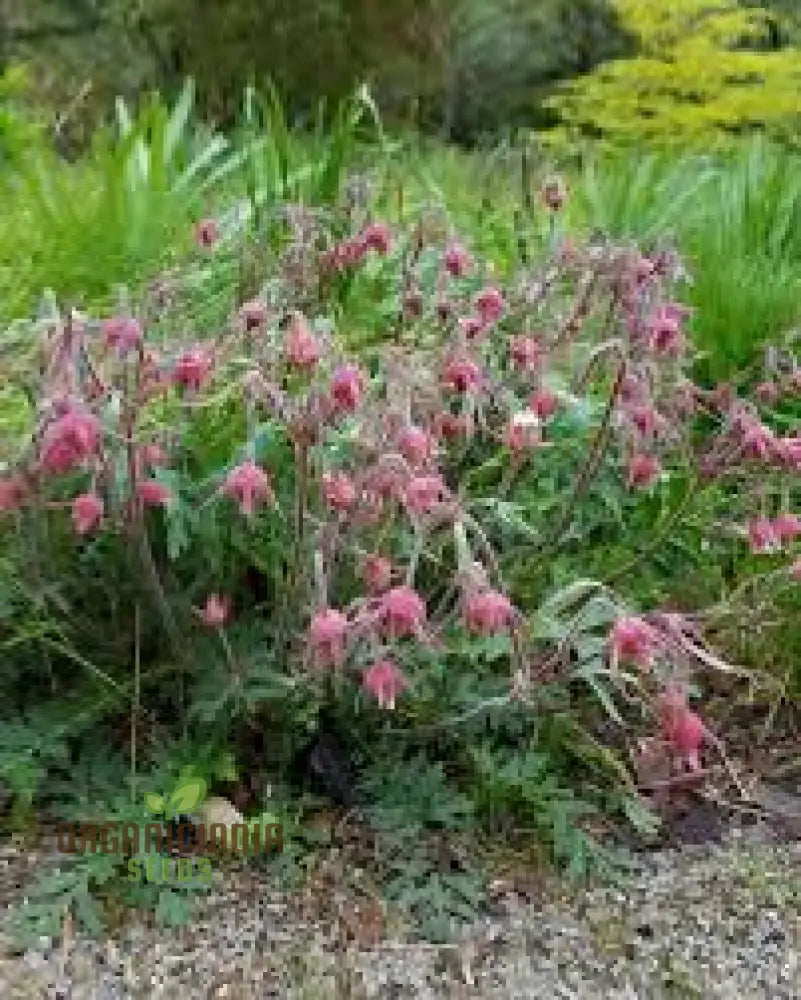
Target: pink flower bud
x,y
462,374
377,236
762,537
415,445
339,490
327,634
423,493
402,612
490,305
633,640
643,470
472,326
70,441
152,493
216,611
377,573
347,387
87,512
207,233
122,333
192,368
787,527
249,486
524,431
526,353
301,347
384,681
488,612
457,259
13,493
544,403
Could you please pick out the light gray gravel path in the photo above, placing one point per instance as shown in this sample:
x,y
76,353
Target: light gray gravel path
x,y
714,922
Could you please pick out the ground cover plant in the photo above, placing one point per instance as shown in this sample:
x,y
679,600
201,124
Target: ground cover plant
x,y
328,477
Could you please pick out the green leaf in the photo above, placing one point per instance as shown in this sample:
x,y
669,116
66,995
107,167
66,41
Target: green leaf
x,y
186,796
154,803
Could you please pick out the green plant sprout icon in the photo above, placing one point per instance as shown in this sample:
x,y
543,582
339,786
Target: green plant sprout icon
x,y
184,799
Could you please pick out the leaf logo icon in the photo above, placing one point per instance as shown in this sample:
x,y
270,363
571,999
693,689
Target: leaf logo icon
x,y
186,797
154,803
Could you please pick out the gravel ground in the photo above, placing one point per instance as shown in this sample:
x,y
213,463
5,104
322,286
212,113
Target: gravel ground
x,y
714,921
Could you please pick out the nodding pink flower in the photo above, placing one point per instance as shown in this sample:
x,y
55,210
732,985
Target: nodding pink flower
x,y
377,236
645,419
402,612
347,253
490,304
12,493
87,512
758,441
123,333
207,233
664,328
387,479
301,347
544,403
457,259
488,612
253,314
415,445
631,389
680,727
192,368
633,640
643,470
376,573
347,386
472,326
644,270
249,486
787,527
524,431
339,490
462,374
762,537
767,392
152,455
553,195
69,441
327,634
215,611
450,426
423,493
526,353
384,681
788,449
152,493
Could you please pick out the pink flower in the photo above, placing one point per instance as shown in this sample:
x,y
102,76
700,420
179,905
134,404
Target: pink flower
x,y
488,612
327,634
207,233
301,347
758,441
192,368
787,527
490,304
462,374
253,314
69,441
526,353
683,730
216,611
377,573
153,455
377,236
12,493
339,490
457,259
450,426
767,392
249,486
788,449
524,431
761,536
553,195
123,333
645,419
631,389
423,493
415,445
664,329
544,403
633,640
152,493
87,512
347,386
384,682
472,326
643,470
402,612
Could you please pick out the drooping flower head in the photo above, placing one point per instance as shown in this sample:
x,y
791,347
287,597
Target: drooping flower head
x,y
462,374
301,347
70,441
524,431
762,537
490,304
415,445
207,233
526,353
664,329
377,236
192,368
249,485
376,573
544,403
402,612
215,611
472,326
122,333
87,512
488,612
347,387
384,681
457,259
787,527
643,470
633,640
423,493
339,490
327,634
152,493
